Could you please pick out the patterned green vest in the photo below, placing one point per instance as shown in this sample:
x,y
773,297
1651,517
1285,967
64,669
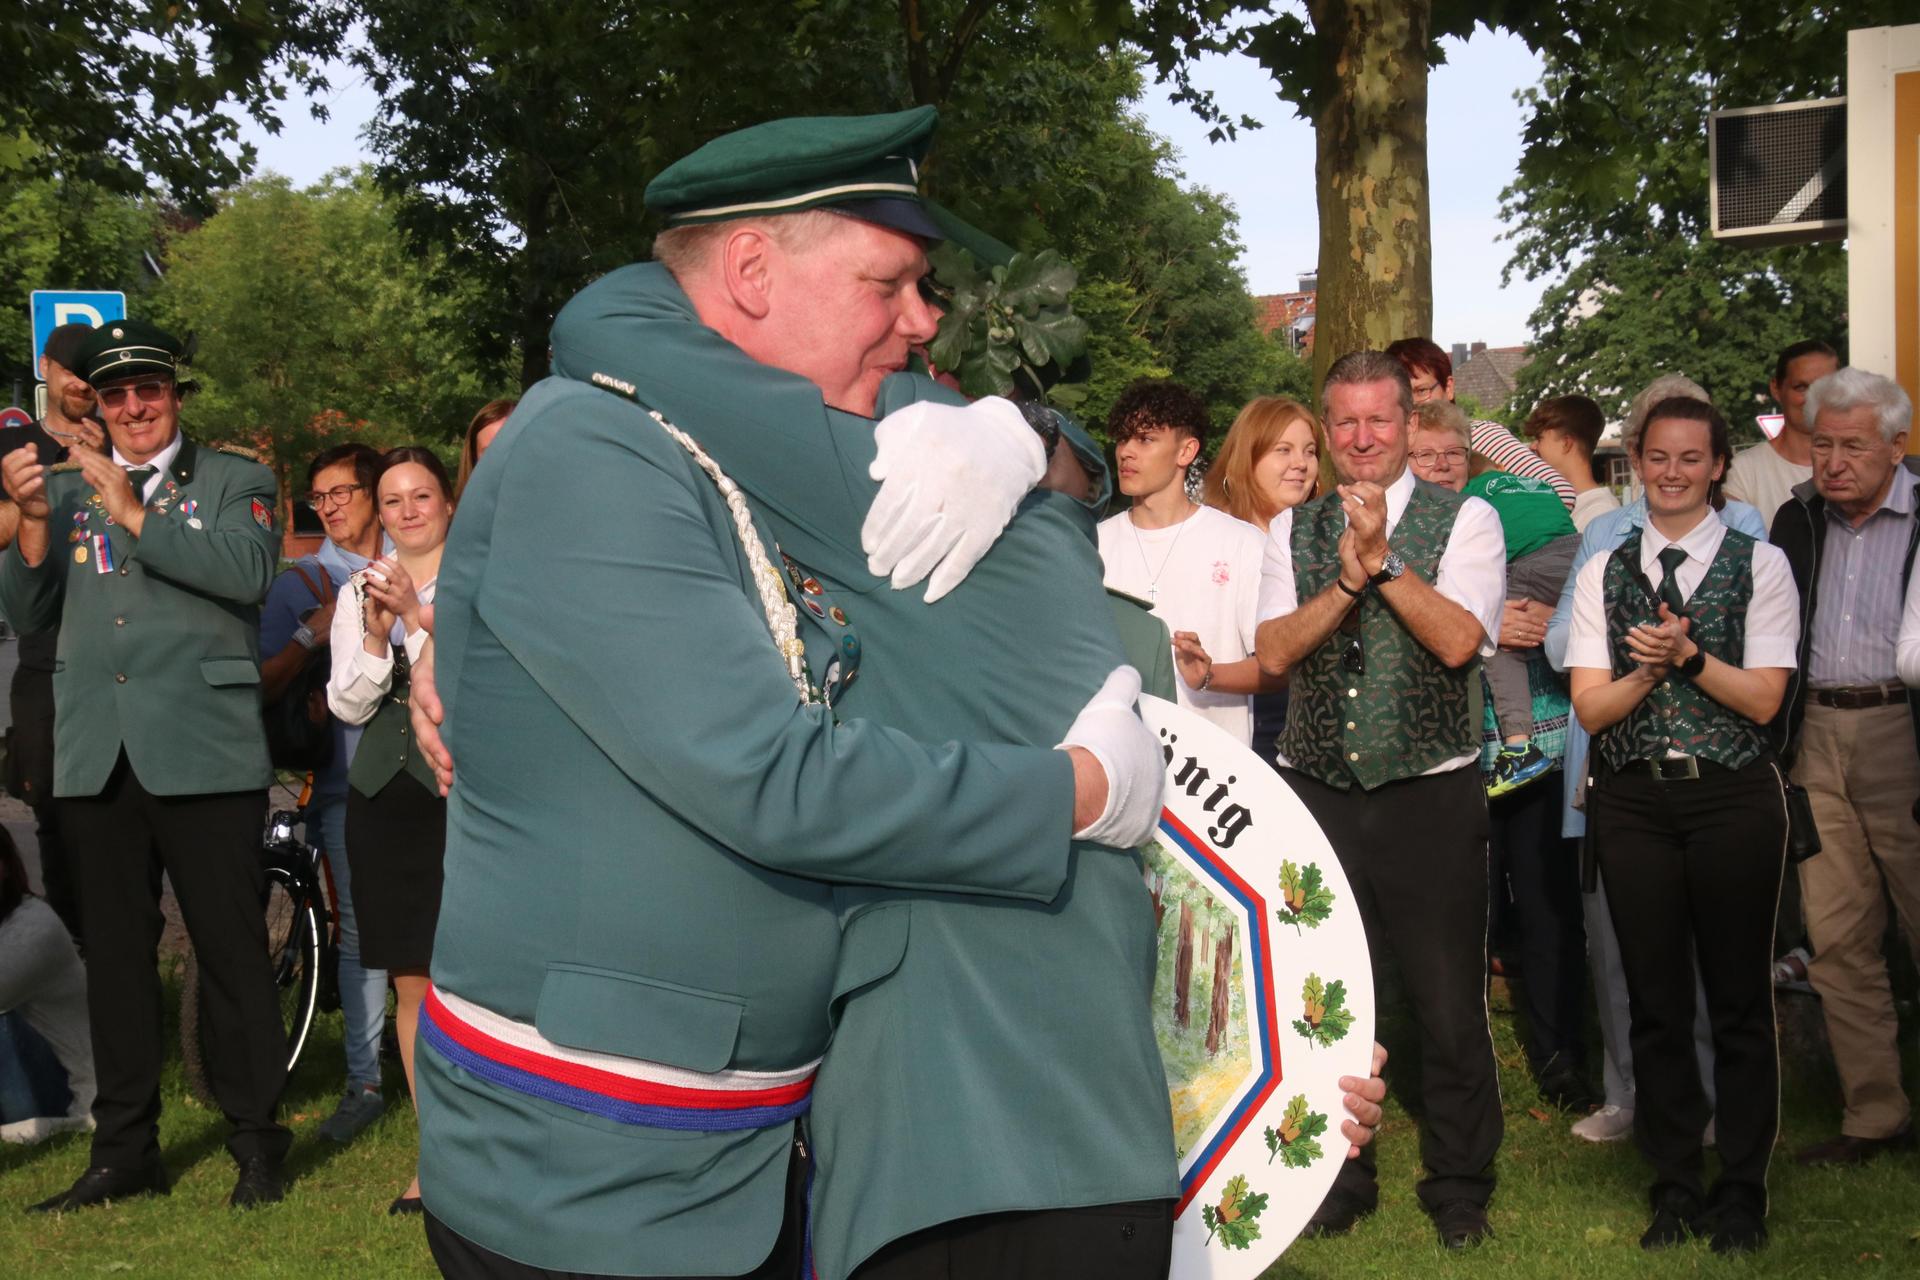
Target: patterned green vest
x,y
387,746
1409,711
1676,715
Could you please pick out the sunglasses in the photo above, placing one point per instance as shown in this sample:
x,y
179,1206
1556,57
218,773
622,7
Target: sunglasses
x,y
1353,658
155,392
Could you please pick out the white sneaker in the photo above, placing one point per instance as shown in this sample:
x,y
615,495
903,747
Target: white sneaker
x,y
1608,1124
40,1128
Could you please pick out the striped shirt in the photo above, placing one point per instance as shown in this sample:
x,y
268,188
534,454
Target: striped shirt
x,y
1509,453
1856,617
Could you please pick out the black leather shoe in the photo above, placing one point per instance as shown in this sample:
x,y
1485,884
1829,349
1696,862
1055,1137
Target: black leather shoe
x,y
102,1183
1460,1223
405,1206
260,1182
1736,1227
1676,1219
1336,1216
1845,1150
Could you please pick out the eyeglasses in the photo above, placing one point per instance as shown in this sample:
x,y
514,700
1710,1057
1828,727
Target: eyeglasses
x,y
1427,457
1353,659
149,393
338,496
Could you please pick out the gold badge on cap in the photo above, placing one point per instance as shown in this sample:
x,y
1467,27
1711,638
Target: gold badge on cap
x,y
119,333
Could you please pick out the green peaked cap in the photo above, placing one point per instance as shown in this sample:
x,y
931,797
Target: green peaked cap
x,y
868,166
127,349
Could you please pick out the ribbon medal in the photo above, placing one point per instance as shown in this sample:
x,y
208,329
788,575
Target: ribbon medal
x,y
102,553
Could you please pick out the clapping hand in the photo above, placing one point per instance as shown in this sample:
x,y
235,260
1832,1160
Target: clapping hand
x,y
1659,647
392,590
1366,506
26,482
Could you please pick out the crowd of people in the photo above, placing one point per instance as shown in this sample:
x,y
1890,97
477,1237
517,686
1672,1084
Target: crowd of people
x,y
1624,727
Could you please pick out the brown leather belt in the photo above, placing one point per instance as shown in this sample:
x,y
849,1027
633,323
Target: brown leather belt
x,y
1859,697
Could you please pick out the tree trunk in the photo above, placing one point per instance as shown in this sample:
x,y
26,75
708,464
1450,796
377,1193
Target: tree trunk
x,y
1157,886
1370,133
1222,991
1183,968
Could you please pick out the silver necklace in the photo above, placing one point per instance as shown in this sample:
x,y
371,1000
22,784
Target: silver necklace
x,y
1153,578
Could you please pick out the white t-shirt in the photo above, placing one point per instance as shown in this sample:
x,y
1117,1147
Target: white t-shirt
x,y
1592,504
1201,575
1763,479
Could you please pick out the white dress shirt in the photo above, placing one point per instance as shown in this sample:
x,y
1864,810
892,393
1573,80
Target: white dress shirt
x,y
1909,647
159,462
1472,573
1772,617
359,680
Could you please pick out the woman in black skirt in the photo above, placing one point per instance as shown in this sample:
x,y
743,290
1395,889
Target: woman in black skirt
x,y
1682,642
396,819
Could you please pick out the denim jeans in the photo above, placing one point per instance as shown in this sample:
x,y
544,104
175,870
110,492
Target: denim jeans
x,y
32,1081
363,991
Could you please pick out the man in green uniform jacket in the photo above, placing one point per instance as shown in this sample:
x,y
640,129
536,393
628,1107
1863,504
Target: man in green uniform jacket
x,y
153,562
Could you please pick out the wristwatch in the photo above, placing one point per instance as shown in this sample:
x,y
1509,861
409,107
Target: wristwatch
x,y
1693,666
1390,568
304,637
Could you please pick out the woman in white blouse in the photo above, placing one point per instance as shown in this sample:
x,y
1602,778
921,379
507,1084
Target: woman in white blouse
x,y
1681,645
396,819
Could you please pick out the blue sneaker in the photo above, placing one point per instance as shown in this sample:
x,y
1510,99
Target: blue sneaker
x,y
1515,767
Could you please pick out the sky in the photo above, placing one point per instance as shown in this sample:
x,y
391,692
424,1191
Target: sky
x,y
1473,142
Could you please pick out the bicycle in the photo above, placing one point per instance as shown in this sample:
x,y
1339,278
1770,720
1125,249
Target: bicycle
x,y
298,902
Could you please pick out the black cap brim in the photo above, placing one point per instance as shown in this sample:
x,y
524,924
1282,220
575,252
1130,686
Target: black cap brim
x,y
909,216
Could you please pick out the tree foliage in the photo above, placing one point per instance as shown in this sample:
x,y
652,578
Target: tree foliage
x,y
315,323
119,94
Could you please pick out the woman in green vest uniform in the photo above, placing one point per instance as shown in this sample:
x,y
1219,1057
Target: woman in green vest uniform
x,y
396,819
1681,645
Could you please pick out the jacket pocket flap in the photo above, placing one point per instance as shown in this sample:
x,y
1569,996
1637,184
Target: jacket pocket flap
x,y
871,946
226,671
603,1011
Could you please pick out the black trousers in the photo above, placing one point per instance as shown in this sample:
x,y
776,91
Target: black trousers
x,y
1415,852
1103,1242
1536,895
209,846
1693,869
31,780
461,1259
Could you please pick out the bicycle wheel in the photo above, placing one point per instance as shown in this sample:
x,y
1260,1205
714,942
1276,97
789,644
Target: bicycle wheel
x,y
293,951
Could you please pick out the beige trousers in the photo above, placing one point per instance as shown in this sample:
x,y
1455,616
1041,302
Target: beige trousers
x,y
1862,773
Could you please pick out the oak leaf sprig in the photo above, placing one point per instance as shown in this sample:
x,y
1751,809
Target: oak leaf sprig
x,y
1327,1017
1235,1219
1304,897
1294,1141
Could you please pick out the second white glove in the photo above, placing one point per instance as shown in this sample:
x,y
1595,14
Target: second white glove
x,y
950,479
1111,729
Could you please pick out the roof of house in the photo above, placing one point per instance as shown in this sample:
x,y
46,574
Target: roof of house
x,y
1279,310
1488,376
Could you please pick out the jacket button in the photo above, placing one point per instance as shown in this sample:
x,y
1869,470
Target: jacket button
x,y
1352,725
119,622
123,571
121,678
1353,755
1353,693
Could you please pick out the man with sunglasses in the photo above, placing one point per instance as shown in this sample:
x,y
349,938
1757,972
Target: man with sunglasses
x,y
66,425
152,561
1375,600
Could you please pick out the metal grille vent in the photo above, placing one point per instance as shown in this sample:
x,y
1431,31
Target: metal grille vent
x,y
1779,173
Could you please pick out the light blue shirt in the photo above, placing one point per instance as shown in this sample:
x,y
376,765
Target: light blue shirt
x,y
1604,535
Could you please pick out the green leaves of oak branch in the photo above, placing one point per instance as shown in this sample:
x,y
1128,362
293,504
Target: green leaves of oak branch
x,y
1235,1219
1294,1141
1303,898
1005,325
1327,1016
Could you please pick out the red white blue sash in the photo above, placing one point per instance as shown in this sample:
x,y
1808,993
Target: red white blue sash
x,y
516,1056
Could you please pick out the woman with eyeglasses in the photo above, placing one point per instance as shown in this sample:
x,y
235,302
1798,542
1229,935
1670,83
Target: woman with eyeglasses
x,y
1682,642
1437,448
396,819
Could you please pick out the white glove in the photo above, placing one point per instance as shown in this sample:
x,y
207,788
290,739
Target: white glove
x,y
1110,728
950,479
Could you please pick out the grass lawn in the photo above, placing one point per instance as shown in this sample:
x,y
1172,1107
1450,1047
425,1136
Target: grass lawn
x,y
1565,1208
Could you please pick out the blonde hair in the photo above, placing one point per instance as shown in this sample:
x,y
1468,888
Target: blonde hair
x,y
685,250
1440,415
1229,483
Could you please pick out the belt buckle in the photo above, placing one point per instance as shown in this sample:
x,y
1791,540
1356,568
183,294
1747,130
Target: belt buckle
x,y
1676,768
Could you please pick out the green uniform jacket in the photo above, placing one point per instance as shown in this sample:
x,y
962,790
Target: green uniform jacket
x,y
638,793
988,1054
159,656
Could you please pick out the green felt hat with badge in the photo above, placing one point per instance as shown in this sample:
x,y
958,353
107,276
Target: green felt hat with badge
x,y
865,166
121,349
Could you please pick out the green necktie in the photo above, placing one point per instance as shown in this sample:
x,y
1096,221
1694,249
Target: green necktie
x,y
138,477
1671,558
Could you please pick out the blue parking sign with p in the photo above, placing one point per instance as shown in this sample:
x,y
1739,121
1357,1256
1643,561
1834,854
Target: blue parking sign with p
x,y
55,307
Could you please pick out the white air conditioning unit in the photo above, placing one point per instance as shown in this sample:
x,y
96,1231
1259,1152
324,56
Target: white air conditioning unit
x,y
1778,175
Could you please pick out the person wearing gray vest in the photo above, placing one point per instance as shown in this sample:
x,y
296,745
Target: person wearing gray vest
x,y
1683,639
1375,600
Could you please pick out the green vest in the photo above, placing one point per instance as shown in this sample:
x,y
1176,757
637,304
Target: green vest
x,y
387,745
1408,711
1677,715
160,653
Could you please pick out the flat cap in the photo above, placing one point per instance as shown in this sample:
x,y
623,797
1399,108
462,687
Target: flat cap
x,y
866,166
122,349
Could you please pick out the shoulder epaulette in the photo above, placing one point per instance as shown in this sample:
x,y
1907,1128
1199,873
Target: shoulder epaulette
x,y
240,451
59,467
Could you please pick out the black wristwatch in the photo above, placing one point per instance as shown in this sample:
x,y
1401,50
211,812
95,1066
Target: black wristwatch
x,y
1390,568
1693,666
